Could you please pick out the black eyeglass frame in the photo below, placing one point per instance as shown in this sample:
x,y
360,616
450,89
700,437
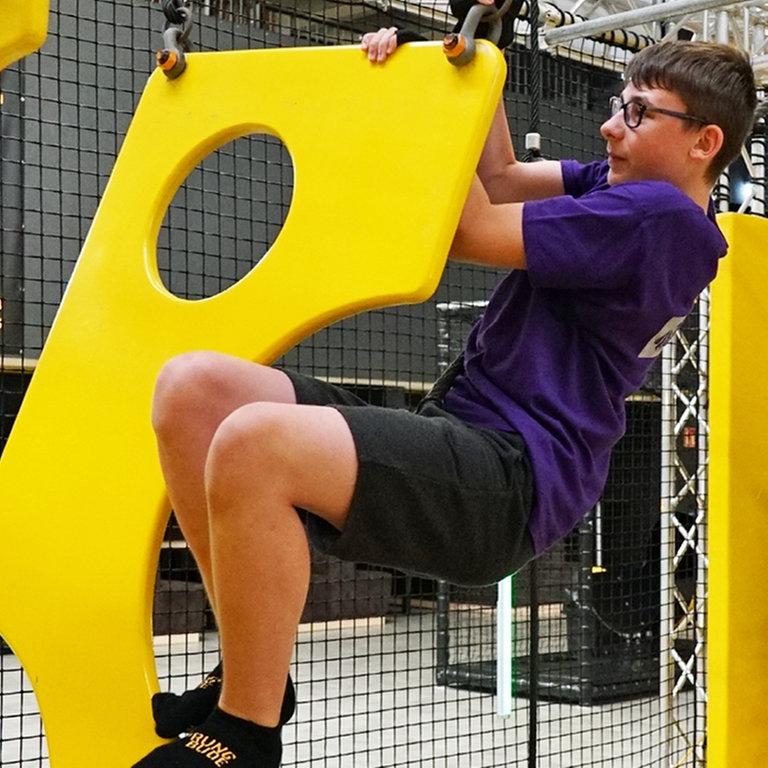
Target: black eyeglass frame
x,y
616,103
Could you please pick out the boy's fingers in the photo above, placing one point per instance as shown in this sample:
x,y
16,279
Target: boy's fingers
x,y
380,44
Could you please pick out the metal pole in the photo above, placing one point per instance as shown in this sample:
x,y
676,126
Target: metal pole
x,y
12,212
667,546
702,534
533,670
505,647
758,164
657,12
722,27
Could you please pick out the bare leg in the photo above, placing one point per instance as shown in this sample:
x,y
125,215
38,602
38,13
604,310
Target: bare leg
x,y
239,455
265,460
195,392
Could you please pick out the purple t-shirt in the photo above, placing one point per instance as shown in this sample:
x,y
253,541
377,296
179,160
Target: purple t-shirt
x,y
611,273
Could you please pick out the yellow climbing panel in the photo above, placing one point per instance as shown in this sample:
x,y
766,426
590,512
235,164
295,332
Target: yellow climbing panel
x,y
23,27
737,618
383,158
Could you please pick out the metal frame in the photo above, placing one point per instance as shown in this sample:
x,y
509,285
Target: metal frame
x,y
685,426
630,18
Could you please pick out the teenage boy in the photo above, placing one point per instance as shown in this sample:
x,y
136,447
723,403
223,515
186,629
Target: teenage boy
x,y
604,261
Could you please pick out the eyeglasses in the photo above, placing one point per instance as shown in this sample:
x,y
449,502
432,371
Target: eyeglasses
x,y
634,112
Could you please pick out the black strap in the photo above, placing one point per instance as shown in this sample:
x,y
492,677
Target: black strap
x,y
408,36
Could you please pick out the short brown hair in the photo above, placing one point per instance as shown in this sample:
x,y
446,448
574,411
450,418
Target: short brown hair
x,y
715,81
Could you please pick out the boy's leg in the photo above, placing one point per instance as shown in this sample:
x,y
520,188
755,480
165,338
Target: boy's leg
x,y
194,393
239,478
266,460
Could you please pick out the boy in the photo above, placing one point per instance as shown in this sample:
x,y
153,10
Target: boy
x,y
509,451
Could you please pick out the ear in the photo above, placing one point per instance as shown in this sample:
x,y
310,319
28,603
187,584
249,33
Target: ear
x,y
708,143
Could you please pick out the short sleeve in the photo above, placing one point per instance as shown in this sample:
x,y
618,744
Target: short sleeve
x,y
578,178
611,234
583,242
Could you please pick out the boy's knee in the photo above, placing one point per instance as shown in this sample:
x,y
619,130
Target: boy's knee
x,y
255,429
253,437
183,382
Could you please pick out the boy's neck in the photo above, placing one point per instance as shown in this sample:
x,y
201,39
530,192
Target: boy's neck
x,y
700,191
701,197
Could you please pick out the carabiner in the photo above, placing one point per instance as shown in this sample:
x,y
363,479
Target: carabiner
x,y
171,59
459,47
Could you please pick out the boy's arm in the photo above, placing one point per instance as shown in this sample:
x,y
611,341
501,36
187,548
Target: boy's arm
x,y
505,178
490,230
489,233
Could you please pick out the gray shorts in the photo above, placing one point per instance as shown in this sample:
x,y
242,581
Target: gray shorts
x,y
434,496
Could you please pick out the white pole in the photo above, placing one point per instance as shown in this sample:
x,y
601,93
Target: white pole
x,y
505,642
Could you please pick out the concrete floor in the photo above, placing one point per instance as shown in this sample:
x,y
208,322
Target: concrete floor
x,y
368,699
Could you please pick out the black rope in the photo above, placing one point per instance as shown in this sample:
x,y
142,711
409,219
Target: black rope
x,y
533,154
534,77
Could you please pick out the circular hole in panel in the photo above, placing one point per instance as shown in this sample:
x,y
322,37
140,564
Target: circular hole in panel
x,y
225,216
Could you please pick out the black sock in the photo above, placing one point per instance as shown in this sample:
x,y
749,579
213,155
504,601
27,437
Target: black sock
x,y
220,741
175,714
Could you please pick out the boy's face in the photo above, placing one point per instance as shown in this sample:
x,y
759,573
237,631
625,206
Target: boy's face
x,y
658,148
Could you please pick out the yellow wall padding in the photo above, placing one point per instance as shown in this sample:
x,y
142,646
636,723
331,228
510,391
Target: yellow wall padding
x,y
383,158
738,500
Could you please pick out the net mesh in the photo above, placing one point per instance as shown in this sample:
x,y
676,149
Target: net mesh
x,y
391,668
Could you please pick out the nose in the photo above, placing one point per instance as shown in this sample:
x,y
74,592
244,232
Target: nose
x,y
613,126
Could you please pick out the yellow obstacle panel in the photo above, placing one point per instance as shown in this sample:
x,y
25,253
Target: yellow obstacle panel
x,y
383,158
738,501
23,27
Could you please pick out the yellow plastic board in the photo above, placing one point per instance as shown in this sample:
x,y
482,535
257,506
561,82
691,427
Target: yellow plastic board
x,y
738,500
23,27
383,158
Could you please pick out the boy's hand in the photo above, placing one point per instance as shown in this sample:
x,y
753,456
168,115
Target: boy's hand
x,y
380,45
